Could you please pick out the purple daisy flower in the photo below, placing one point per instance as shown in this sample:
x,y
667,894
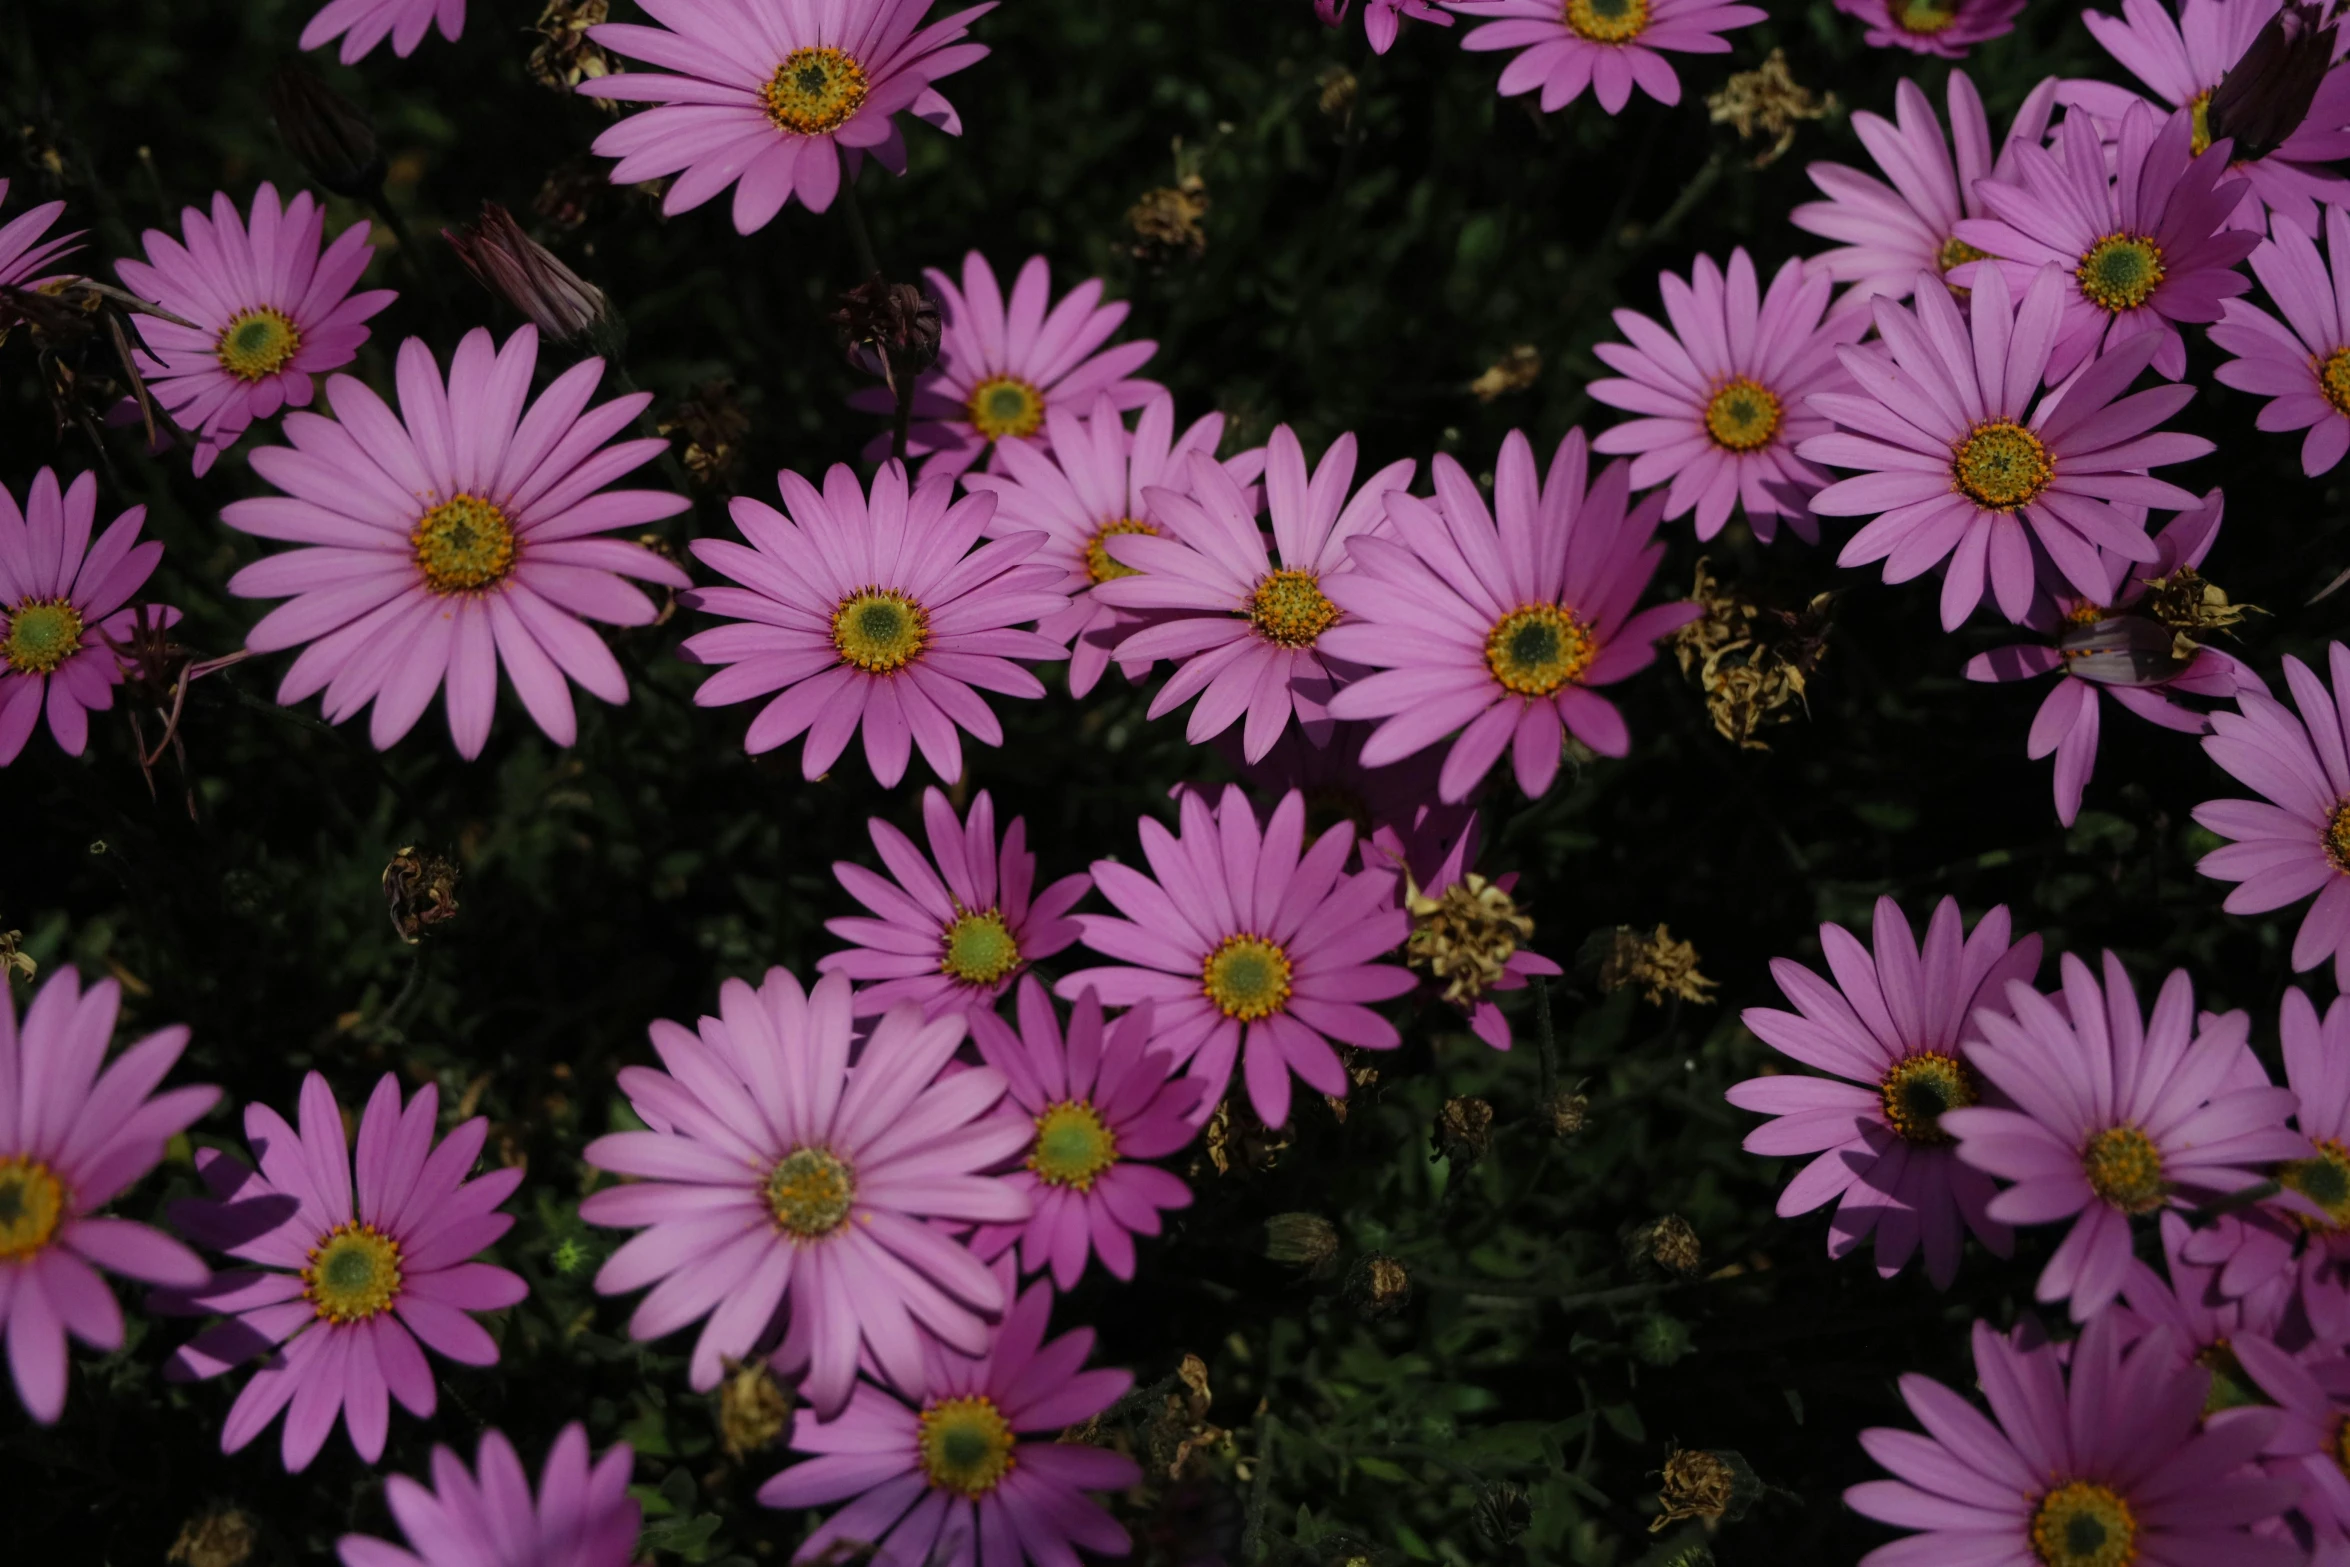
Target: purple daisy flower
x,y
1609,46
452,538
2298,842
2112,646
2302,363
271,310
1089,483
1004,365
1381,18
72,1139
943,1477
2101,1466
1889,233
1243,932
362,24
485,1516
2115,1115
1961,465
1467,931
951,938
1724,393
1894,1026
778,98
2144,244
2205,1324
782,1185
24,251
872,613
62,604
2310,1392
1099,1102
1502,629
1943,27
344,1282
1245,630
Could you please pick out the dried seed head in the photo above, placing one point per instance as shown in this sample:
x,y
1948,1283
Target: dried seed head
x,y
1768,101
1667,1244
1655,962
1567,1112
1696,1485
1378,1287
1463,1131
420,888
1464,938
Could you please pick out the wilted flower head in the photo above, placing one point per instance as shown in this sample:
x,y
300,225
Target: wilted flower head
x,y
892,326
518,269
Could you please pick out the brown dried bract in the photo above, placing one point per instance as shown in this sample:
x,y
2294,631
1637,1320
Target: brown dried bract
x,y
712,424
565,56
1697,1485
1655,962
1465,938
1753,660
1768,101
1166,222
420,889
1514,371
2189,605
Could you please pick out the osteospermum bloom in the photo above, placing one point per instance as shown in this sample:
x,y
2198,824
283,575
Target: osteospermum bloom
x,y
1501,624
943,1478
2143,244
72,1139
2311,1398
1088,483
2205,1322
1101,1101
777,98
951,932
1609,46
1245,624
452,538
1893,1025
1962,465
2098,1466
362,24
62,602
23,248
875,614
345,1281
1943,27
486,1516
2302,363
2115,1114
1243,938
777,1177
1723,393
1382,19
1468,932
1005,364
271,310
2297,841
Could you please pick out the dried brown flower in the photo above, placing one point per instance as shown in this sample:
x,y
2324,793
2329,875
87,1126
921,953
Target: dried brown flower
x,y
1236,1139
215,1539
753,1409
888,329
1668,1244
565,56
420,889
1378,1286
1180,1433
1338,87
1465,938
1514,371
1567,1111
1463,1130
1655,962
1752,659
712,422
2189,605
14,960
1697,1485
1768,101
1166,221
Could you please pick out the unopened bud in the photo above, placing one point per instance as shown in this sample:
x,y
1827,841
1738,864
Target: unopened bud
x,y
2266,94
420,889
1378,1287
888,329
1502,1513
1668,1244
1567,1111
752,1409
1464,1128
526,274
1660,1340
1303,1240
330,134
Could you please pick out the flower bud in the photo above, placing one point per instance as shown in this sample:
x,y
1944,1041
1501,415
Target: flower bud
x,y
329,133
888,329
2267,93
1304,1240
1567,1112
1378,1287
1501,1513
1464,1128
518,269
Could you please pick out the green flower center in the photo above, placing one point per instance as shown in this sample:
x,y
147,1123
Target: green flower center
x,y
1607,21
810,1192
2125,1168
31,1201
353,1273
257,343
2121,271
464,545
2084,1525
1072,1145
2001,465
1920,1088
1005,405
1247,977
880,630
980,948
1535,650
814,91
42,634
966,1445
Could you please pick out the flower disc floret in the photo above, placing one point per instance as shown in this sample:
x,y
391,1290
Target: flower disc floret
x,y
31,1199
1955,252
1923,17
1539,648
980,948
966,1445
880,630
1005,405
2000,465
1099,564
2125,1168
1247,977
2121,271
2083,1524
815,90
1743,416
353,1273
1918,1088
42,634
2333,379
2324,1180
464,545
1072,1145
810,1192
257,343
1607,21
1288,609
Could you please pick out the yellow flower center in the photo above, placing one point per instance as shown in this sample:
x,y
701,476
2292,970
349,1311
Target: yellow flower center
x,y
1535,650
1923,17
1743,416
980,948
1247,977
1920,1088
814,91
257,343
2333,379
2341,1444
880,630
2324,1180
353,1273
42,634
464,544
1072,1145
966,1445
1005,405
2125,1168
2080,1524
2001,465
1288,608
2121,271
31,1201
1956,252
2199,115
810,1192
1607,21
2337,838
1099,563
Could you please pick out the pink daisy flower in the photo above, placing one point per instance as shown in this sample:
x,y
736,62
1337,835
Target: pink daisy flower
x,y
1502,630
2144,244
1894,1026
2302,363
778,98
452,538
1724,393
1889,233
72,1139
1088,484
362,24
1466,930
1003,366
270,308
953,931
780,1179
1382,19
24,250
583,1515
2115,1115
1100,1102
872,613
2310,1392
942,1478
1943,27
62,602
2297,842
1961,465
344,1282
1609,46
2205,1323
1242,933
2111,646
1246,629
2105,1464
